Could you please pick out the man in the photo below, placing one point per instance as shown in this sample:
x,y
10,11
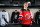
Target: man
x,y
25,16
14,17
37,17
4,17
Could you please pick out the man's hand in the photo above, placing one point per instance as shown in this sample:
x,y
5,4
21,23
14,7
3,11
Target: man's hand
x,y
20,21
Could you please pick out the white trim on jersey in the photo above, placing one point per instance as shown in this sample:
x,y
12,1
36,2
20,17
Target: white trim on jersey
x,y
21,15
31,15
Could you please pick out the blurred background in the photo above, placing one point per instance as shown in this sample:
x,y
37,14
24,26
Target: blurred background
x,y
12,5
19,2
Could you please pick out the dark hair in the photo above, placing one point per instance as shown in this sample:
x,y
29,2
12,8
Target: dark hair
x,y
15,10
25,2
3,10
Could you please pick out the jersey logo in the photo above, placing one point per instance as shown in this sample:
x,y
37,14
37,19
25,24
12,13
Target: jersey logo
x,y
27,16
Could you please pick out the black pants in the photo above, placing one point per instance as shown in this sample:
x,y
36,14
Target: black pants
x,y
26,25
37,20
15,21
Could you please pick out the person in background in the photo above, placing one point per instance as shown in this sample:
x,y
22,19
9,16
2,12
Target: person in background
x,y
37,17
4,18
25,16
14,17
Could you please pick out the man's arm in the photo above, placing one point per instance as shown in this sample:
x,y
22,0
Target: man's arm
x,y
31,15
20,16
12,16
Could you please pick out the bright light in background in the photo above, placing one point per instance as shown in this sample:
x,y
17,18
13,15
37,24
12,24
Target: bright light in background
x,y
29,2
2,4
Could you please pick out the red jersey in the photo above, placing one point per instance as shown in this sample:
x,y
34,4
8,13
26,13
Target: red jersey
x,y
25,16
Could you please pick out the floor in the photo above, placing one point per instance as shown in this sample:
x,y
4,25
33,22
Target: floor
x,y
11,25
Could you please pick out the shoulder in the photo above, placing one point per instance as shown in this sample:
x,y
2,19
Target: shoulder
x,y
13,12
28,9
22,10
6,12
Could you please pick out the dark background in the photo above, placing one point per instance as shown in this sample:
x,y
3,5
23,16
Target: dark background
x,y
19,3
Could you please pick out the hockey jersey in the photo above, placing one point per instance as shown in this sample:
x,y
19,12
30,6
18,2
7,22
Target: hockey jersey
x,y
25,16
2,16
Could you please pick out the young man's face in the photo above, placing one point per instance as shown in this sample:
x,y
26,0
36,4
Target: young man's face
x,y
25,5
15,11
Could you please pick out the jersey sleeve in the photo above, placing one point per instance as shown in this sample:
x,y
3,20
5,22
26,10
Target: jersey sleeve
x,y
20,15
31,15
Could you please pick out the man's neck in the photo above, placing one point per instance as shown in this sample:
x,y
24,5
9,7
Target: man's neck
x,y
25,8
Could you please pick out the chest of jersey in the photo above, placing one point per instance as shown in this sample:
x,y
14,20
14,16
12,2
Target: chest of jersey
x,y
26,16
